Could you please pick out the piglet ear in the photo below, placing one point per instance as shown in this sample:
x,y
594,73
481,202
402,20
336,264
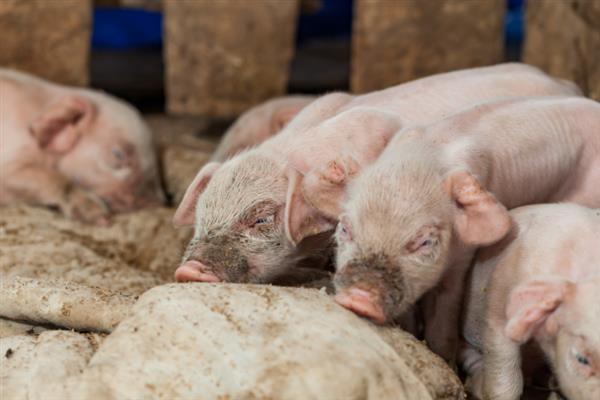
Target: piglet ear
x,y
530,305
481,219
184,216
301,219
59,127
325,187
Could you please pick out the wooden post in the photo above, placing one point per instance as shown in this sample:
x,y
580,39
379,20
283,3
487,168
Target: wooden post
x,y
224,56
563,38
395,41
48,38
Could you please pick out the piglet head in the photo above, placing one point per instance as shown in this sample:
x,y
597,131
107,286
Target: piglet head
x,y
400,227
241,212
564,318
102,145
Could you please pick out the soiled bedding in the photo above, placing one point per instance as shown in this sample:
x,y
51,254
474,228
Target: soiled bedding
x,y
92,313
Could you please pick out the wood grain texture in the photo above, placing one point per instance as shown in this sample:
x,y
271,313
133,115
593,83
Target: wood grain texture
x,y
50,39
395,41
563,38
222,57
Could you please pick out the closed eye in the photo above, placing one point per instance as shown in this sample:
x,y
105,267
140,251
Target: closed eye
x,y
345,234
265,220
426,243
424,240
118,153
582,359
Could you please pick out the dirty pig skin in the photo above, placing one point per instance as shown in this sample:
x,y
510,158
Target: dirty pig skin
x,y
412,220
254,201
82,151
541,284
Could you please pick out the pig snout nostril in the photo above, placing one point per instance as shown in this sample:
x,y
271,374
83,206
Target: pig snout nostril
x,y
194,271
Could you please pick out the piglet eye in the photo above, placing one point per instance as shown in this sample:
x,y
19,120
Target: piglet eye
x,y
345,233
426,243
582,360
424,240
118,153
263,220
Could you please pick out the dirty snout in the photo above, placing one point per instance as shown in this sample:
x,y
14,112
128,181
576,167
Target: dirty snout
x,y
371,287
213,261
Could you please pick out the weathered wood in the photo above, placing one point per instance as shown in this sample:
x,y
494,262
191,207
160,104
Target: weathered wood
x,y
224,56
563,38
47,38
395,41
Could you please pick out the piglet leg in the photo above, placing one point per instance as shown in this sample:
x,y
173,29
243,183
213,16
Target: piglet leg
x,y
47,187
442,313
502,377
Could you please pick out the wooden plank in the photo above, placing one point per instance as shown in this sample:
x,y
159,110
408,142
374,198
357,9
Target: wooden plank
x,y
395,41
225,56
50,39
563,38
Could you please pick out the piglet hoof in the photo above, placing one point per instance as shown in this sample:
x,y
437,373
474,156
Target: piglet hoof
x,y
362,303
194,271
86,207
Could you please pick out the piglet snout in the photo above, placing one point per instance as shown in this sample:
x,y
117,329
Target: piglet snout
x,y
194,271
362,303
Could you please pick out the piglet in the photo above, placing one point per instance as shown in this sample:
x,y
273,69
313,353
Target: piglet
x,y
259,124
82,151
541,284
412,220
252,221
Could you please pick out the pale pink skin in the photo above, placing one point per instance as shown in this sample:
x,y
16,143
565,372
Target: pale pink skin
x,y
225,201
259,124
542,284
438,192
82,151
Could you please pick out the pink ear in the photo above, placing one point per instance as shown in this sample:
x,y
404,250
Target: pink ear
x,y
301,219
184,216
325,188
59,127
530,305
481,219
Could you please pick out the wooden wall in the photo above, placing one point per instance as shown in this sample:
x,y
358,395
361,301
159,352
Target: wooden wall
x,y
49,38
395,41
563,38
224,56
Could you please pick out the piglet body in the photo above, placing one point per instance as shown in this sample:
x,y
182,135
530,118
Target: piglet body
x,y
259,124
542,285
252,221
82,151
412,220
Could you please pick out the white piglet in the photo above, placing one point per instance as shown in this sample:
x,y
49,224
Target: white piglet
x,y
542,285
252,223
412,220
